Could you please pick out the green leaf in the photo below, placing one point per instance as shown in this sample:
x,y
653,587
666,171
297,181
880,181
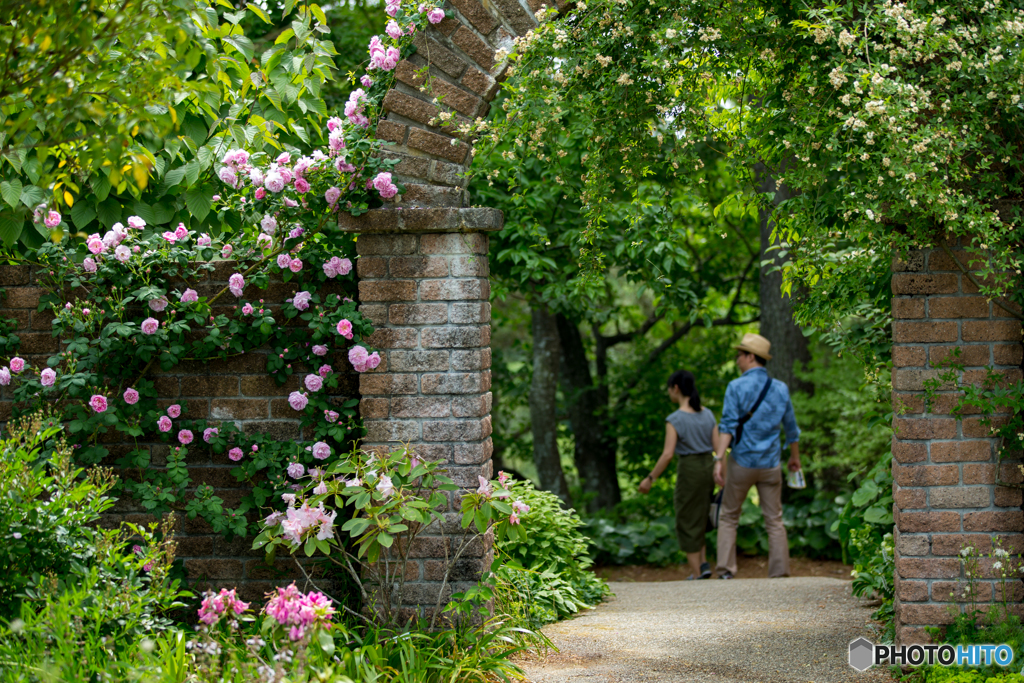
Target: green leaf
x,y
10,229
865,494
326,642
32,196
199,200
109,212
242,44
285,36
310,547
174,176
82,213
11,192
259,13
877,514
385,539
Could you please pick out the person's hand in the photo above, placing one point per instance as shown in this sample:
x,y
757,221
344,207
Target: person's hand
x,y
794,463
719,475
645,485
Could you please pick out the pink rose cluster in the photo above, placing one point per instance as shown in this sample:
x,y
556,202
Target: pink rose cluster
x,y
385,58
300,613
301,300
354,108
383,184
337,266
362,360
217,605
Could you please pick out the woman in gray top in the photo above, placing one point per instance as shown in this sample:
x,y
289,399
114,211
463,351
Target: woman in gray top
x,y
690,433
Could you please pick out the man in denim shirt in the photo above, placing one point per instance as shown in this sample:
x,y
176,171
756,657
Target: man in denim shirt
x,y
755,459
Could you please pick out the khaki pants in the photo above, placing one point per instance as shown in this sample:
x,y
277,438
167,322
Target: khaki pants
x,y
738,481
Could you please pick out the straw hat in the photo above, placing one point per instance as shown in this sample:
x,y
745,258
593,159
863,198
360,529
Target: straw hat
x,y
757,345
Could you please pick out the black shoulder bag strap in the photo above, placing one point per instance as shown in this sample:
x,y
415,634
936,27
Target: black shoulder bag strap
x,y
750,413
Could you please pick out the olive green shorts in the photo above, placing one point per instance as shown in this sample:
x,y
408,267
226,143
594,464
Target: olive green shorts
x,y
695,484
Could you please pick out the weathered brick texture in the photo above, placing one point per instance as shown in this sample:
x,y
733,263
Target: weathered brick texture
x,y
428,293
236,389
950,489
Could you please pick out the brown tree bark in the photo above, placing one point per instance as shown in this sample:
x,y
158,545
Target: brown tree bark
x,y
543,403
595,452
789,345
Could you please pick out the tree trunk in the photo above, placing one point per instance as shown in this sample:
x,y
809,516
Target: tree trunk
x,y
543,397
588,410
789,345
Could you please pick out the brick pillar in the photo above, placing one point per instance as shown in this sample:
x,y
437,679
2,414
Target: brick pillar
x,y
946,471
423,282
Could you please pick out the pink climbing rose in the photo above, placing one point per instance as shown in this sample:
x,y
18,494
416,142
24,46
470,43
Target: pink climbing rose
x,y
236,283
52,219
321,451
320,350
235,454
131,396
344,328
384,186
283,260
297,400
314,382
150,326
301,300
435,16
209,433
164,423
98,403
158,304
189,296
47,377
247,309
174,410
295,470
17,364
185,437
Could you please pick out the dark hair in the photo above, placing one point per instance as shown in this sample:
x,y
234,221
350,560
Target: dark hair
x,y
761,361
687,386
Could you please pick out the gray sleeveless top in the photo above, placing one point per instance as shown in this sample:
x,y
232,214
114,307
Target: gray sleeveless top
x,y
694,430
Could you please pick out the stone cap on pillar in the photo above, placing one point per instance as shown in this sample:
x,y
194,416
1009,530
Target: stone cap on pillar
x,y
401,220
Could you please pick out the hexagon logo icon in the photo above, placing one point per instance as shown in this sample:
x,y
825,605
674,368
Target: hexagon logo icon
x,y
861,654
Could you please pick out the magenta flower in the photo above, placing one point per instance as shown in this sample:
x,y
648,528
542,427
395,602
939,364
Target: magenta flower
x,y
174,411
247,309
95,245
268,224
131,397
158,304
297,400
204,240
520,507
214,606
332,195
98,403
150,326
170,237
513,518
295,265
5,377
181,232
344,328
209,433
189,296
52,220
226,251
314,382
331,416
136,222
295,470
17,364
185,437
283,260
301,185
435,16
235,454
47,377
384,186
320,350
366,81
394,30
301,300
164,423
236,283
89,265
260,193
325,370
321,451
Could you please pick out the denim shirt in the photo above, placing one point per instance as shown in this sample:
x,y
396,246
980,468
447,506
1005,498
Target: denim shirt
x,y
759,448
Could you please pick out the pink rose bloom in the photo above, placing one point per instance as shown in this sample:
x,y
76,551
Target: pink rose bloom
x,y
295,265
357,356
297,400
226,251
85,311
331,416
150,326
5,377
96,245
295,470
122,253
321,451
283,260
235,157
301,185
185,437
215,198
89,265
52,219
17,364
268,224
164,423
394,30
334,123
247,309
236,283
228,176
384,185
391,9
131,397
170,237
366,81
209,433
283,158
435,16
343,166
136,249
98,403
274,181
158,304
289,202
336,141
301,301
260,193
136,222
344,328
264,241
47,377
320,350
391,59
332,195
181,232
235,454
189,296
314,383
174,411
325,370
204,240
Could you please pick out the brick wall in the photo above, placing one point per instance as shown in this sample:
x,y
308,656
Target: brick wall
x,y
236,389
947,473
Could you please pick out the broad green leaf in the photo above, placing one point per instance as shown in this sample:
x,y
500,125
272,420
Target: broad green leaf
x,y
199,200
32,196
108,212
242,44
174,176
82,214
10,229
285,36
11,192
259,13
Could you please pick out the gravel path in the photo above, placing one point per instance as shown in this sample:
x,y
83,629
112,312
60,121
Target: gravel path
x,y
792,630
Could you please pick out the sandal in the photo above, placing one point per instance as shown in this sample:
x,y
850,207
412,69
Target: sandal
x,y
705,570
